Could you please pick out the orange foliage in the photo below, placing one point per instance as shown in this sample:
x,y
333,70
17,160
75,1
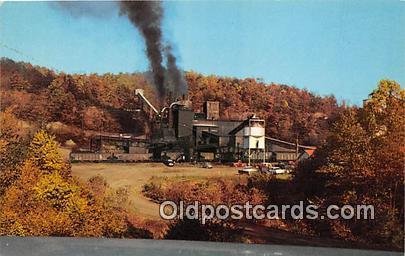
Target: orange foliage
x,y
97,102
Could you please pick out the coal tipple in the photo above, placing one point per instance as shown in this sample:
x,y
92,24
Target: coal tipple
x,y
179,133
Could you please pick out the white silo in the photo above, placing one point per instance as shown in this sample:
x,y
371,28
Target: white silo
x,y
254,136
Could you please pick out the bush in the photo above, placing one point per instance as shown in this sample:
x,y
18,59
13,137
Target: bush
x,y
211,191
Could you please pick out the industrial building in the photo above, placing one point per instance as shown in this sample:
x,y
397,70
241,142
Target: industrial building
x,y
178,132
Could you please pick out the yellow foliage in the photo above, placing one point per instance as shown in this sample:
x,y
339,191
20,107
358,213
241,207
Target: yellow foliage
x,y
44,201
41,204
61,194
44,153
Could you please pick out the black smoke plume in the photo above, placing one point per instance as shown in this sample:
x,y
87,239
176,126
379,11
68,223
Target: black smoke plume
x,y
147,17
175,76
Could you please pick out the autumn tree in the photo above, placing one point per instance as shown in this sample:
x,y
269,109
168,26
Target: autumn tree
x,y
43,152
42,96
40,204
46,201
13,145
362,163
17,82
289,112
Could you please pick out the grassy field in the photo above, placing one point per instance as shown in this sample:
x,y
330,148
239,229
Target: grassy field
x,y
135,175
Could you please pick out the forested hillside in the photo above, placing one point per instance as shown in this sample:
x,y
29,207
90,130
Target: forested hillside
x,y
85,104
358,161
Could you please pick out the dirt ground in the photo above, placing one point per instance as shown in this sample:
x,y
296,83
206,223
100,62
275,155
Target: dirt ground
x,y
135,175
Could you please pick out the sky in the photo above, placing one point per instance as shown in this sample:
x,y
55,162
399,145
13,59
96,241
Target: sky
x,y
328,47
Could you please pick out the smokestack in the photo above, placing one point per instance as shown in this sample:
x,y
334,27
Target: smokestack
x,y
147,17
